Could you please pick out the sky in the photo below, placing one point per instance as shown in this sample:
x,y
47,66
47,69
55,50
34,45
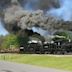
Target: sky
x,y
2,30
64,12
40,31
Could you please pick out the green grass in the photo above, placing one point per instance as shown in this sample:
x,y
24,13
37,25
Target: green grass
x,y
64,62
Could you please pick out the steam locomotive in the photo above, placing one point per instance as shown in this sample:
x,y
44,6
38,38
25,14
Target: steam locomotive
x,y
53,47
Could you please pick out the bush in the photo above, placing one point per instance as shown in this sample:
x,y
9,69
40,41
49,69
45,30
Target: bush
x,y
10,41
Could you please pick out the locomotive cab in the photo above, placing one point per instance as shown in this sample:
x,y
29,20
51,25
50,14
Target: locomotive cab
x,y
34,47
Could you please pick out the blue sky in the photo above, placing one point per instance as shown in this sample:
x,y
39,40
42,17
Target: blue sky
x,y
64,12
2,30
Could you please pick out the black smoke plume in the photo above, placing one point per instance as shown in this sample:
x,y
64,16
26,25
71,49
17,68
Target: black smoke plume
x,y
33,14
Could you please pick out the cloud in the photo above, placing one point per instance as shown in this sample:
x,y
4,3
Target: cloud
x,y
65,10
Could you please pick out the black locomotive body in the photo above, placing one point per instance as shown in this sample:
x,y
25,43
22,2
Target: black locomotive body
x,y
54,47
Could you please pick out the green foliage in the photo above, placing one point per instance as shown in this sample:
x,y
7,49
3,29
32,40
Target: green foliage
x,y
66,34
23,40
13,41
10,40
60,39
1,41
62,33
52,61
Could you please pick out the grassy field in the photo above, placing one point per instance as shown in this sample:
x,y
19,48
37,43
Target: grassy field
x,y
59,62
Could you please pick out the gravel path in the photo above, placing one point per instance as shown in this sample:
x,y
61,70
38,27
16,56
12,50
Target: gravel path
x,y
14,67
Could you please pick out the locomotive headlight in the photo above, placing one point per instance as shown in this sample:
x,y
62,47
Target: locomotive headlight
x,y
52,41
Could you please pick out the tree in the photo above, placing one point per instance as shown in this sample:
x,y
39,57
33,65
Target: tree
x,y
22,40
10,40
1,40
61,33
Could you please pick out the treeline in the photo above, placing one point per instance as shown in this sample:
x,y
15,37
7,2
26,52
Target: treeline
x,y
12,42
